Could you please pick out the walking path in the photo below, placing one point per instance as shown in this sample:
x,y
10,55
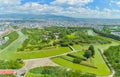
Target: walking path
x,y
108,63
32,63
72,48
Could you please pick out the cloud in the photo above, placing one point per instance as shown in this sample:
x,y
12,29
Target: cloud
x,y
75,8
86,12
9,2
71,2
36,8
116,2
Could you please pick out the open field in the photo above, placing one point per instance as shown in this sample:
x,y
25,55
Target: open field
x,y
43,53
98,61
91,33
9,52
61,46
102,68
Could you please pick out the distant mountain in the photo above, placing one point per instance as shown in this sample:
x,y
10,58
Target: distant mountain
x,y
60,18
26,16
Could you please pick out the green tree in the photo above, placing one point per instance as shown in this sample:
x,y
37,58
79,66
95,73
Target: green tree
x,y
91,48
88,54
106,29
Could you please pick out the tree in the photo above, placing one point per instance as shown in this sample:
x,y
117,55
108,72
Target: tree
x,y
88,54
91,48
106,29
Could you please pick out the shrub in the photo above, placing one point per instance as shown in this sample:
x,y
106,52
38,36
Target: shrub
x,y
16,64
50,71
77,60
71,55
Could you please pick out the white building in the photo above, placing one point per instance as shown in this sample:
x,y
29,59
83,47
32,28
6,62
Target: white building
x,y
4,40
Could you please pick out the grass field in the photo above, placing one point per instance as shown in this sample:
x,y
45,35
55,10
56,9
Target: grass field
x,y
91,33
9,53
29,74
43,53
12,36
101,69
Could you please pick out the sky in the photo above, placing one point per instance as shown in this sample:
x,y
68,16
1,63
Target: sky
x,y
71,8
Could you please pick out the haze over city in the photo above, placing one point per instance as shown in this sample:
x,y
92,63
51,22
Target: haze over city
x,y
59,38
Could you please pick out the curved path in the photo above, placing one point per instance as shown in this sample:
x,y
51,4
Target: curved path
x,y
32,63
8,52
108,63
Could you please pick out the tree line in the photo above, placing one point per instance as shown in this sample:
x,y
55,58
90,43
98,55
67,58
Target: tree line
x,y
107,34
113,55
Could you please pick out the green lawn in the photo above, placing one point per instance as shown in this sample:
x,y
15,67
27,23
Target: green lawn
x,y
78,54
101,69
12,36
72,35
9,53
42,53
29,74
67,58
80,47
91,33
